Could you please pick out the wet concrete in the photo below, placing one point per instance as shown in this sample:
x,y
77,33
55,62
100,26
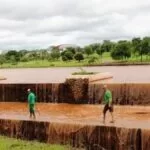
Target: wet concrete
x,y
125,116
123,74
78,125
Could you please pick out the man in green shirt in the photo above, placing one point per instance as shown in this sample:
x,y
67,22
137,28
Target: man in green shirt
x,y
31,103
108,103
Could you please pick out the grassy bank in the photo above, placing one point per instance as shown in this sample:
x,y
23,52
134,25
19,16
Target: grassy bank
x,y
106,60
14,144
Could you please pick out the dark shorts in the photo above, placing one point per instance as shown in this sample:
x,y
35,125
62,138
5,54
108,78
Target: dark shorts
x,y
106,108
31,108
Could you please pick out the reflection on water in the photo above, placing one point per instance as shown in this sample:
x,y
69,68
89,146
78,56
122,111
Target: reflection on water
x,y
125,116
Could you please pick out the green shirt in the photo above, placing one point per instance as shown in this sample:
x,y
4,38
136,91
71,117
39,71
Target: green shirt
x,y
107,97
31,98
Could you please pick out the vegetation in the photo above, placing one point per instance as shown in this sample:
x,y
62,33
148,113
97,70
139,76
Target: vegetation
x,y
121,51
83,72
14,144
79,56
136,50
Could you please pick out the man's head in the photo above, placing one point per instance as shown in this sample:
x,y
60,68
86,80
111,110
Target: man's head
x,y
29,90
105,87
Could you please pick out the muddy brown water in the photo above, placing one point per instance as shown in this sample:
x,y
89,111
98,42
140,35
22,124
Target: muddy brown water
x,y
55,75
125,116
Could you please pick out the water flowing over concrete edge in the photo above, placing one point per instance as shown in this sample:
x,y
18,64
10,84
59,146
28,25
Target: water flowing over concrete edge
x,y
92,137
123,94
84,136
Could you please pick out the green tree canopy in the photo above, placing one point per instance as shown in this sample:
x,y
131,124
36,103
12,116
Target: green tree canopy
x,y
71,49
88,50
106,46
12,54
136,44
79,56
121,50
55,53
2,59
67,55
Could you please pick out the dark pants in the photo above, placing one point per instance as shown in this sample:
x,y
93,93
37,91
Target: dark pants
x,y
31,109
106,108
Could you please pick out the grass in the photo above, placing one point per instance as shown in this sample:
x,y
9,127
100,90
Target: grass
x,y
73,63
58,63
83,72
15,144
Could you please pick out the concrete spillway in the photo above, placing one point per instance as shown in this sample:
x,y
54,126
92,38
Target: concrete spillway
x,y
123,94
79,125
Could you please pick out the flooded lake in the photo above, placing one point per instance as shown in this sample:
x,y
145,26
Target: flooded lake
x,y
140,74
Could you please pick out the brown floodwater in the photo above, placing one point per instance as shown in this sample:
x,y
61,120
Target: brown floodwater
x,y
55,75
125,116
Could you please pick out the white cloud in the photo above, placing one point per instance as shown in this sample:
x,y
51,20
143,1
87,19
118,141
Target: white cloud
x,y
40,23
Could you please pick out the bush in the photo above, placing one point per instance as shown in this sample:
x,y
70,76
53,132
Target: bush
x,y
79,56
24,59
55,54
68,55
64,58
92,59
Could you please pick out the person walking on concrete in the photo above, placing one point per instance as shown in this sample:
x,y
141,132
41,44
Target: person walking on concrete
x,y
31,103
108,103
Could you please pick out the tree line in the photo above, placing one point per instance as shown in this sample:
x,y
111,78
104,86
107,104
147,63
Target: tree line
x,y
121,50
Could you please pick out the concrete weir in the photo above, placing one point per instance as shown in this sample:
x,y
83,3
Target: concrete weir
x,y
90,137
69,113
79,125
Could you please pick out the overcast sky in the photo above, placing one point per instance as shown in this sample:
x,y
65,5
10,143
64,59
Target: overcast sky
x,y
29,24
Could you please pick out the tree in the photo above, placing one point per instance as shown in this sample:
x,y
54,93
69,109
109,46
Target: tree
x,y
71,49
24,58
95,46
2,60
93,59
33,55
79,49
145,48
136,45
13,60
141,47
79,56
100,51
64,58
43,54
147,39
55,54
68,55
106,46
88,50
21,53
121,50
12,54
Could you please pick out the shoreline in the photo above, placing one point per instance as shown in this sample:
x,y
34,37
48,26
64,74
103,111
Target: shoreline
x,y
87,65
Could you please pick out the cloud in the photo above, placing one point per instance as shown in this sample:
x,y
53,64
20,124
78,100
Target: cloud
x,y
38,24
